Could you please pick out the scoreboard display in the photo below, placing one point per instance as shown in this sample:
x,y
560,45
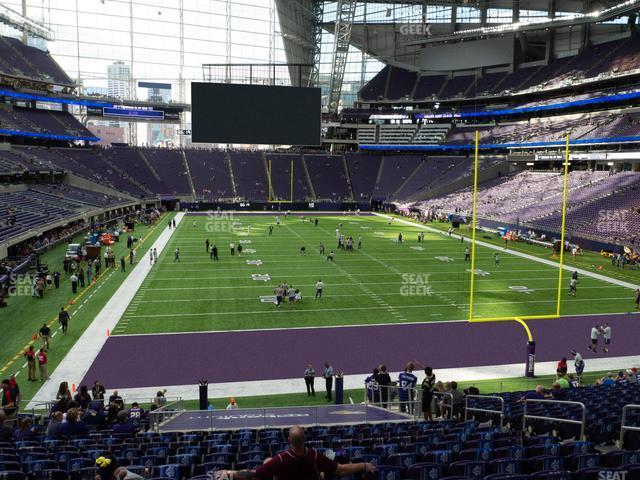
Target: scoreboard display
x,y
255,114
132,113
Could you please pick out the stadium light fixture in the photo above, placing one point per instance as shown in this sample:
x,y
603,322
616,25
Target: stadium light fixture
x,y
16,20
538,23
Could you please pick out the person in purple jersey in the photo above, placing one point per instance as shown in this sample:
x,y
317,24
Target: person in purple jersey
x,y
135,414
406,384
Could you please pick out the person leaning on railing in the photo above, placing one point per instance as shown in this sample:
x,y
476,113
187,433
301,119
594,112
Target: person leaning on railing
x,y
297,463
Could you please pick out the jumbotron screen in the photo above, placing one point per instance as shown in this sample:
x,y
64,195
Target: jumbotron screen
x,y
255,114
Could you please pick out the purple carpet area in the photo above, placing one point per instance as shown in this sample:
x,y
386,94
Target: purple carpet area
x,y
280,417
179,359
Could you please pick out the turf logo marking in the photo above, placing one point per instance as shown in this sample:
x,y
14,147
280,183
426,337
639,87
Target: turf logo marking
x,y
444,259
365,228
244,241
380,234
522,289
480,273
268,299
417,248
261,277
254,262
249,250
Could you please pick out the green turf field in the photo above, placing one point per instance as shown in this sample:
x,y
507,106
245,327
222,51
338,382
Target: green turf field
x,y
25,315
383,282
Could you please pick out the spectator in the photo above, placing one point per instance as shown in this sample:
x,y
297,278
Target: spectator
x,y
573,381
160,400
124,427
232,405
454,402
94,416
563,382
607,381
6,433
298,463
54,429
98,391
537,394
64,392
83,398
43,364
384,384
562,367
9,397
74,427
26,431
428,385
556,391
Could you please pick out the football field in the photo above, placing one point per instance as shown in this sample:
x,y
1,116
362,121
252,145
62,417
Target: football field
x,y
383,282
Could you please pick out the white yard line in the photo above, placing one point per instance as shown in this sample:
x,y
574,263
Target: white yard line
x,y
81,356
586,273
296,385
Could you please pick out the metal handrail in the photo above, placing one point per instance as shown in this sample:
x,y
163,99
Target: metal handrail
x,y
582,422
160,415
624,427
500,412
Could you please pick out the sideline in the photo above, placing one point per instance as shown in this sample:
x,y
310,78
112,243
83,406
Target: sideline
x,y
351,382
81,356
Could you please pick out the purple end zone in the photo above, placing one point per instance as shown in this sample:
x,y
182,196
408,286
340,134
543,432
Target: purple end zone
x,y
280,417
179,359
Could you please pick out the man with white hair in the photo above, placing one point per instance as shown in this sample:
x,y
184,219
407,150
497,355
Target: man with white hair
x,y
297,463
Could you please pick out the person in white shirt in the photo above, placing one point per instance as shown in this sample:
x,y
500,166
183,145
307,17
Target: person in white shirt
x,y
595,333
606,334
319,288
233,405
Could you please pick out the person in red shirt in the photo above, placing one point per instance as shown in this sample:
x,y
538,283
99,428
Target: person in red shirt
x,y
42,363
562,367
30,356
297,463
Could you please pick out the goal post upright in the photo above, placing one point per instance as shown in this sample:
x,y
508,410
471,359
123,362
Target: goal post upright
x,y
563,223
473,224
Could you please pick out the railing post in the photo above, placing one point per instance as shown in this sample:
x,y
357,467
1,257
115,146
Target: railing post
x,y
624,427
582,422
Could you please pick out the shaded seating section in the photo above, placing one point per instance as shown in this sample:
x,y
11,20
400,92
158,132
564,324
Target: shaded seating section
x,y
363,170
47,204
422,450
284,186
250,175
609,58
20,60
396,169
375,87
328,177
209,174
401,83
169,165
42,122
131,161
